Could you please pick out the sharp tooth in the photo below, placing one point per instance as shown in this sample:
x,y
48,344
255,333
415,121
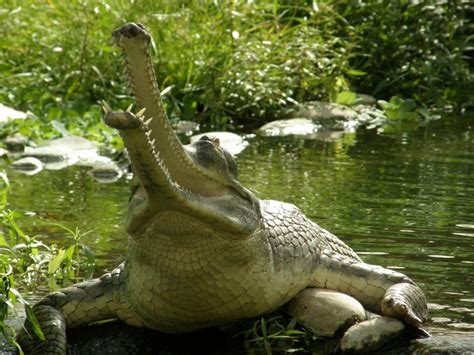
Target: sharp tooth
x,y
148,121
153,142
106,107
129,108
141,112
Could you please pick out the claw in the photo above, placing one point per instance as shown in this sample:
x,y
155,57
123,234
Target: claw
x,y
129,108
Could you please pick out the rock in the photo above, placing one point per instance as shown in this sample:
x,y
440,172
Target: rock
x,y
106,172
312,119
16,143
186,127
75,143
372,334
302,128
292,126
8,113
29,165
326,312
66,151
232,142
319,111
363,99
445,341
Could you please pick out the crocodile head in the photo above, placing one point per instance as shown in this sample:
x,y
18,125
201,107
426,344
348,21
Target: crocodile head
x,y
199,180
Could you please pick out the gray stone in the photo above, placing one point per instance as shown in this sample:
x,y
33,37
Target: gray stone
x,y
47,154
318,111
186,127
287,127
232,142
372,334
445,341
16,143
75,143
29,165
106,172
363,99
8,113
66,151
325,312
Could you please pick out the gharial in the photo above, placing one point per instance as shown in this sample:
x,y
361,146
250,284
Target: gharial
x,y
203,250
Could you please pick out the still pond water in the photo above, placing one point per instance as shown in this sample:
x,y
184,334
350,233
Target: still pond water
x,y
403,201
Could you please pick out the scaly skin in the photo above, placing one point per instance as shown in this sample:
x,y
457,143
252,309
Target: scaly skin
x,y
203,250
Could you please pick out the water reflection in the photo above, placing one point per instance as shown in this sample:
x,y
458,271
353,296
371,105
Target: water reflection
x,y
405,202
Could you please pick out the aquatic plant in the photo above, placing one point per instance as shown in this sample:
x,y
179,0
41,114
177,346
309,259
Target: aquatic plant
x,y
27,263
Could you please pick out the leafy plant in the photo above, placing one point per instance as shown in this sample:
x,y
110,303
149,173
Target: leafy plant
x,y
26,262
275,332
231,62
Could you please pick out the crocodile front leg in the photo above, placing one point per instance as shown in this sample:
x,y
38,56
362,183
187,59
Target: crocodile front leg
x,y
78,305
380,290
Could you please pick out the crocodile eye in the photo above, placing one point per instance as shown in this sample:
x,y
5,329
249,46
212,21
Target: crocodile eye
x,y
216,142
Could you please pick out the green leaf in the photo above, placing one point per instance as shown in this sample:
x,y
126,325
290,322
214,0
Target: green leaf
x,y
346,98
355,72
69,254
3,241
30,315
407,105
56,261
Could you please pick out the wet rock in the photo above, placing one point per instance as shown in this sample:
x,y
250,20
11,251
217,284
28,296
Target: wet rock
x,y
319,111
8,113
47,154
66,151
445,341
302,128
363,99
370,335
232,142
106,172
313,120
186,127
287,127
16,143
326,312
29,165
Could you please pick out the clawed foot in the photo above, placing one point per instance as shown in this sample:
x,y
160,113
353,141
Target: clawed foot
x,y
406,302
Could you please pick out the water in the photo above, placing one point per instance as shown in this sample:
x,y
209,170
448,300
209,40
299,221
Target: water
x,y
405,202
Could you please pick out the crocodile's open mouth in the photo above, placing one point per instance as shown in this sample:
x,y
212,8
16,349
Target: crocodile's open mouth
x,y
183,173
202,182
199,180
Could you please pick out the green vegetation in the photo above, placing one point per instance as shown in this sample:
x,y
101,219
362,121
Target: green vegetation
x,y
276,333
224,63
26,263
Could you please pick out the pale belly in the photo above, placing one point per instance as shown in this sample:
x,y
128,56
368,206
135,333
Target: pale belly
x,y
177,301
